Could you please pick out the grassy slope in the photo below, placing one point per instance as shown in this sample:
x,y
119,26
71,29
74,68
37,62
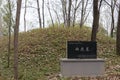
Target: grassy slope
x,y
41,49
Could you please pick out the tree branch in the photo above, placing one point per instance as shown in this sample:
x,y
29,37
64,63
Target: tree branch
x,y
100,5
107,3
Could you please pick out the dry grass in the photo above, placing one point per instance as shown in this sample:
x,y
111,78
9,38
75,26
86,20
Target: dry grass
x,y
41,49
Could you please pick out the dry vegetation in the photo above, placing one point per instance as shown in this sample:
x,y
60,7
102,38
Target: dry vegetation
x,y
41,49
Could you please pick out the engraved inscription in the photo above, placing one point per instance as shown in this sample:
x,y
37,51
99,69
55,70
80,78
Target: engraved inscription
x,y
82,49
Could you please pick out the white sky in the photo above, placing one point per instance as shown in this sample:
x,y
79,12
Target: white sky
x,y
32,15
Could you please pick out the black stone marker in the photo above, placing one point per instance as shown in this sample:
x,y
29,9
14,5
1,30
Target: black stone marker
x,y
81,49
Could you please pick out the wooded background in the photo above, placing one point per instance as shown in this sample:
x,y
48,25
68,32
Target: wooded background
x,y
100,15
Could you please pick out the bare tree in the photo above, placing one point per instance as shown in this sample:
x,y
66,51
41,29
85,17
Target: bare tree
x,y
40,24
16,31
118,34
9,31
0,18
69,13
64,10
56,12
57,16
48,6
96,14
43,3
25,15
75,11
83,12
112,7
82,5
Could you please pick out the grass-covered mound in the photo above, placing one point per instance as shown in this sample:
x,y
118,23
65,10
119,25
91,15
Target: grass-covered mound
x,y
41,49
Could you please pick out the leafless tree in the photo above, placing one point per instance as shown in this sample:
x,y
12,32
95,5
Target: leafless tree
x,y
56,12
69,13
25,15
48,6
38,6
64,11
43,15
96,14
83,12
16,31
57,16
112,6
75,11
9,31
118,34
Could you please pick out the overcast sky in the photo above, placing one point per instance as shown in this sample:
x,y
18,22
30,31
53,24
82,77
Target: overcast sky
x,y
32,15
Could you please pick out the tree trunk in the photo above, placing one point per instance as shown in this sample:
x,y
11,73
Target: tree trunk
x,y
69,13
9,32
43,2
74,17
112,17
95,20
112,7
25,15
57,17
112,25
16,31
82,14
118,34
40,24
48,6
75,10
64,10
